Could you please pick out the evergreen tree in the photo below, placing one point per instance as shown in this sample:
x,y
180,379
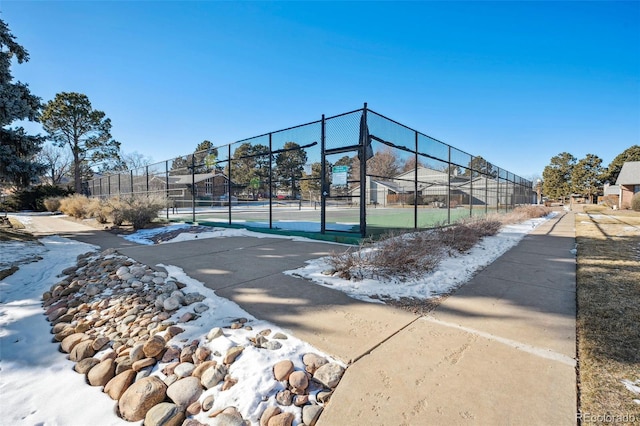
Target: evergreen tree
x,y
205,157
18,165
71,121
557,176
630,154
586,176
289,167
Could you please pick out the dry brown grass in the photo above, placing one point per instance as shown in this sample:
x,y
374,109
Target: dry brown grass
x,y
608,322
75,206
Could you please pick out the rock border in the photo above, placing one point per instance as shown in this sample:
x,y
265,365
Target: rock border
x,y
117,318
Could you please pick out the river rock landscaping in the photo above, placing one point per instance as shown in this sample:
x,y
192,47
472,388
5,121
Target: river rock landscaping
x,y
147,338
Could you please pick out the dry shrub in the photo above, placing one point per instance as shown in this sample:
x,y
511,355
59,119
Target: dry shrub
x,y
115,207
635,202
466,234
52,204
137,210
99,209
404,256
400,256
75,206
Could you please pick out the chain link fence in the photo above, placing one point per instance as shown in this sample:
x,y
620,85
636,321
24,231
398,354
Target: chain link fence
x,y
358,172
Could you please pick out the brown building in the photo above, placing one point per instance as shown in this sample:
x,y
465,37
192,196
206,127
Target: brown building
x,y
629,182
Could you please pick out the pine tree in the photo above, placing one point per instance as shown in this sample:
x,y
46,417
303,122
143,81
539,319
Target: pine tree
x,y
630,154
586,176
18,165
557,176
71,121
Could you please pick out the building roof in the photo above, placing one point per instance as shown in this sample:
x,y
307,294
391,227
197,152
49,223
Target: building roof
x,y
187,179
630,174
390,185
611,190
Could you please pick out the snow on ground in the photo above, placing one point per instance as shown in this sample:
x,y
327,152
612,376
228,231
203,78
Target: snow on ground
x,y
253,369
450,273
145,236
37,381
39,386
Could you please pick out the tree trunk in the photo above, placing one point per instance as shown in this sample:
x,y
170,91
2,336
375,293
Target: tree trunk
x,y
77,176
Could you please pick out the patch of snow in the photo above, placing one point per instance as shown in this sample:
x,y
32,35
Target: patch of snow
x,y
145,236
37,382
253,368
39,386
449,274
633,387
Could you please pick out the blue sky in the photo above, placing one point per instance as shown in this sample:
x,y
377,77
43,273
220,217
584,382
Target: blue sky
x,y
515,82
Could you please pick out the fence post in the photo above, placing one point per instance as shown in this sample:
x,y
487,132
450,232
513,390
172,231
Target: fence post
x,y
498,191
486,188
147,175
193,188
270,181
364,141
230,183
323,179
166,178
415,186
449,184
471,186
131,177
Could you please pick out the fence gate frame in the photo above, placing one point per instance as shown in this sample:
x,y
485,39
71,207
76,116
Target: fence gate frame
x,y
363,149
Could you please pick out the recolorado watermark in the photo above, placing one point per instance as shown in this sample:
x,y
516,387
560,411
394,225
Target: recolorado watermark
x,y
607,418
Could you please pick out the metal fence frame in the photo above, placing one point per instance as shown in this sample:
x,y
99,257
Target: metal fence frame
x,y
443,176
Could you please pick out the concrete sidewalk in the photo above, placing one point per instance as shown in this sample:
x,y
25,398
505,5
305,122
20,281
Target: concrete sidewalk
x,y
501,350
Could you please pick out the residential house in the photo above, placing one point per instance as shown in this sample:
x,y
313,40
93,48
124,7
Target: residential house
x,y
629,182
207,186
433,188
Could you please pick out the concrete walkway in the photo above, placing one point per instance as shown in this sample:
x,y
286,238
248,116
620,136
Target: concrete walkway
x,y
501,350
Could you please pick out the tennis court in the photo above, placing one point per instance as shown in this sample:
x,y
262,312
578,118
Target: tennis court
x,y
307,219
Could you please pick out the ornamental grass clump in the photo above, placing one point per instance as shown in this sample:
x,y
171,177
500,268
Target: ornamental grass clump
x,y
75,206
98,209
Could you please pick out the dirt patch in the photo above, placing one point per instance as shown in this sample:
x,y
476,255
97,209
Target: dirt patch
x,y
4,273
13,230
608,321
416,306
